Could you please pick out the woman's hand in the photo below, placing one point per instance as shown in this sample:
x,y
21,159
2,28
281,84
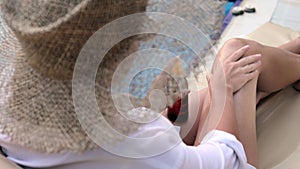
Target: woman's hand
x,y
236,70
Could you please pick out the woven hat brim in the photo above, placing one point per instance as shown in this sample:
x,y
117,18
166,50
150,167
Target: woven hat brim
x,y
36,112
22,26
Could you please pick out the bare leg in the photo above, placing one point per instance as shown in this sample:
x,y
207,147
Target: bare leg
x,y
294,47
280,68
277,72
245,108
274,76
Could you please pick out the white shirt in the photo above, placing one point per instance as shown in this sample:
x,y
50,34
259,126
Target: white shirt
x,y
218,150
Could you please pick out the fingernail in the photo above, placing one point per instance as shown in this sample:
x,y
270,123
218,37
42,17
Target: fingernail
x,y
258,55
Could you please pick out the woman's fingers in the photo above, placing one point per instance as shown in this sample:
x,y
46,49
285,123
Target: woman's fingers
x,y
252,75
238,54
249,60
251,67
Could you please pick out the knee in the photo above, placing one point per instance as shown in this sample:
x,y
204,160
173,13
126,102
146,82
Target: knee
x,y
235,43
238,43
231,46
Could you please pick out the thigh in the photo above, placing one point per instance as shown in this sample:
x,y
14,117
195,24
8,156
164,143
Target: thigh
x,y
292,46
245,102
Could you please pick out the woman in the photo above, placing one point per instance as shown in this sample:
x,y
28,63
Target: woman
x,y
38,122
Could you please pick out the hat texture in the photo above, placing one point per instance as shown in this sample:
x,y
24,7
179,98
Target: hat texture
x,y
39,45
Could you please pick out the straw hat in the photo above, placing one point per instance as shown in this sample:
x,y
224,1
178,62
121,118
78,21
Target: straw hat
x,y
39,44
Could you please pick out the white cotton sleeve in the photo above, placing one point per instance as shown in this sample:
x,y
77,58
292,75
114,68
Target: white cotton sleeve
x,y
218,150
